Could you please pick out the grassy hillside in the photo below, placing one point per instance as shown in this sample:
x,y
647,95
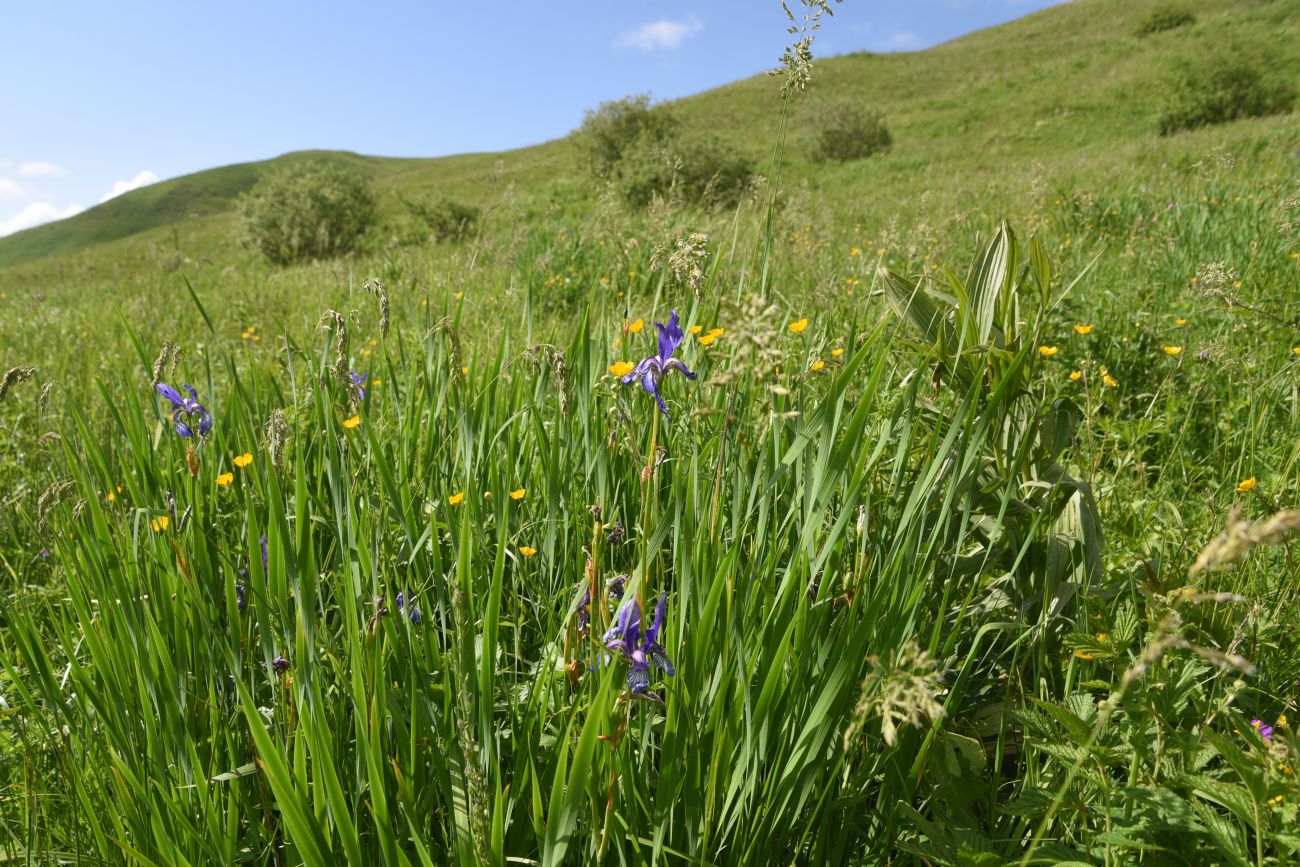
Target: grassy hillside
x,y
1070,89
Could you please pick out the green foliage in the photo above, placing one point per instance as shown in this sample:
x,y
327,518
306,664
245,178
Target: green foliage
x,y
443,219
613,129
845,129
1222,88
314,211
698,168
1162,18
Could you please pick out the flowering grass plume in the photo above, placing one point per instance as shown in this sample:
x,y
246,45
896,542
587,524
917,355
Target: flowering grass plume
x,y
651,370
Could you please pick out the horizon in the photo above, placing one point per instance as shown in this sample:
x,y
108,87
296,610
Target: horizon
x,y
119,117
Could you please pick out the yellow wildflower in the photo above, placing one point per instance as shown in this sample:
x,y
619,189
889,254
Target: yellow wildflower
x,y
621,368
818,365
1296,349
799,326
111,496
1281,721
1076,375
1047,351
695,329
707,339
1180,321
243,460
837,352
456,498
636,327
1276,800
464,371
1109,380
350,423
1245,486
527,551
856,251
1083,329
460,294
160,523
717,332
519,494
225,479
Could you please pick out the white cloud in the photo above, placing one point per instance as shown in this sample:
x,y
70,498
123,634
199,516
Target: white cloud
x,y
143,179
660,34
35,214
36,169
9,189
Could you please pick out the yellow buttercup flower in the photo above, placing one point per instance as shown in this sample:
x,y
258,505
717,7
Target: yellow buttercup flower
x,y
707,339
1076,375
1047,351
527,551
160,523
455,499
856,251
350,423
1296,349
1109,380
460,294
799,326
1083,329
621,368
636,327
111,496
519,494
243,460
1180,321
1245,486
717,332
695,329
837,352
225,479
464,371
1173,350
818,365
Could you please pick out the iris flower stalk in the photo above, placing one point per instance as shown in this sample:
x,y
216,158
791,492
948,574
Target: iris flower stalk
x,y
652,369
641,652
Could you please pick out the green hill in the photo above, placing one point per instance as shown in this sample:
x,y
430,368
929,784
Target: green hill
x,y
1072,89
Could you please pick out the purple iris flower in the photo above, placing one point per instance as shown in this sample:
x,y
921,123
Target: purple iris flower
x,y
359,382
280,664
653,367
262,541
186,411
639,651
413,613
241,602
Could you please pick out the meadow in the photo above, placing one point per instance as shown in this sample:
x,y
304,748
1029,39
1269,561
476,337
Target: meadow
x,y
960,538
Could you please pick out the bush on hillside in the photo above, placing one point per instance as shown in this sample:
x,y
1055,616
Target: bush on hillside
x,y
1164,18
1220,90
613,128
443,220
316,210
694,167
848,130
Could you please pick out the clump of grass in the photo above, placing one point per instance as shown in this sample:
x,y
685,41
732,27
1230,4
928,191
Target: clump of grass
x,y
1220,88
1162,18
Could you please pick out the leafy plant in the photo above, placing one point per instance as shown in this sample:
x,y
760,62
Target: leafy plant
x,y
1222,88
316,210
845,129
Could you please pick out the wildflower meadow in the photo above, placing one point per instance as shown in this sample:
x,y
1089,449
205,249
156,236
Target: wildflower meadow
x,y
770,530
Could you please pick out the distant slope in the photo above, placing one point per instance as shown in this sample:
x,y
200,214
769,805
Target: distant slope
x,y
1069,91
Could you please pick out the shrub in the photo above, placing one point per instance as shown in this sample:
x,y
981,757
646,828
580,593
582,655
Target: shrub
x,y
847,130
613,128
1164,18
315,210
1218,91
696,167
443,219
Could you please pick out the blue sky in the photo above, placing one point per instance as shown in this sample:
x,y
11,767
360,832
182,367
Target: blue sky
x,y
104,97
